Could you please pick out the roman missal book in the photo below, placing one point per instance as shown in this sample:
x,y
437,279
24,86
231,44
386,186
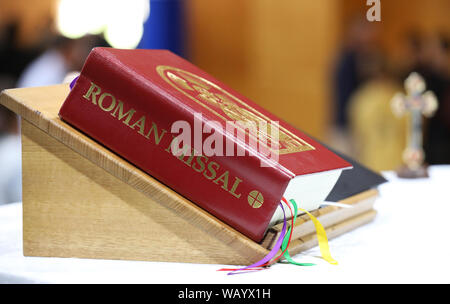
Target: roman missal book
x,y
199,137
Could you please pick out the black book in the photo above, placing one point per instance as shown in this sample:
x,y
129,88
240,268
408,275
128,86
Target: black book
x,y
353,181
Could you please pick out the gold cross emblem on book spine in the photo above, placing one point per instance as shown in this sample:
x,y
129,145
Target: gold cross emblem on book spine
x,y
415,103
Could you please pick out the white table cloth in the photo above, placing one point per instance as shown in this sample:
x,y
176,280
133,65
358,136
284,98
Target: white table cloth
x,y
408,242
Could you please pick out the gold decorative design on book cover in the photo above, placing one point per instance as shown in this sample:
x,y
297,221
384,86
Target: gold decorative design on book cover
x,y
227,106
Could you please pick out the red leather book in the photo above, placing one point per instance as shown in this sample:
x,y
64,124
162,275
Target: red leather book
x,y
129,100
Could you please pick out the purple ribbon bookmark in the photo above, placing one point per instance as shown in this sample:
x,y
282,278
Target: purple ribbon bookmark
x,y
270,255
73,82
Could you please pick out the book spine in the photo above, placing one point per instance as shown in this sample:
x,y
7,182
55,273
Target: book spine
x,y
133,118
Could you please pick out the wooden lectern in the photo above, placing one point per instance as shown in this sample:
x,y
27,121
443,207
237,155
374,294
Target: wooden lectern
x,y
82,200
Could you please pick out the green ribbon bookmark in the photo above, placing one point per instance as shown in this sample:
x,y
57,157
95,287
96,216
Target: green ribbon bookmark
x,y
286,241
321,239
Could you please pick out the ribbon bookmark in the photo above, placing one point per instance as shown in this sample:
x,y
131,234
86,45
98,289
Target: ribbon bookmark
x,y
264,261
321,237
72,83
283,243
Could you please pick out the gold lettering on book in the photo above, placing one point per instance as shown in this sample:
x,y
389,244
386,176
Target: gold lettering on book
x,y
223,179
199,165
141,124
236,183
111,106
154,130
91,95
116,107
208,169
212,167
119,111
107,102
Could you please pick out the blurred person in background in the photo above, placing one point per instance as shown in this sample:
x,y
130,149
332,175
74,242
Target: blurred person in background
x,y
360,46
350,71
13,57
13,60
63,57
436,72
378,137
10,158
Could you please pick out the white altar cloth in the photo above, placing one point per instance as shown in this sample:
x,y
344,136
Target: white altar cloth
x,y
408,242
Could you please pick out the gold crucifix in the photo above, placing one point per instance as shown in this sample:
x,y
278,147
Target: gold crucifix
x,y
416,103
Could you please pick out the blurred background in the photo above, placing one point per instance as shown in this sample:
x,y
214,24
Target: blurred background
x,y
320,65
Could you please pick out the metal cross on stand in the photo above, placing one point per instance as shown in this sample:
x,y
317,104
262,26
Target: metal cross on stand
x,y
416,103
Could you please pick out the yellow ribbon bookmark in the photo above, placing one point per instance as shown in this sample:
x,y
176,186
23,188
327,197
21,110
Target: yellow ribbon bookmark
x,y
321,238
